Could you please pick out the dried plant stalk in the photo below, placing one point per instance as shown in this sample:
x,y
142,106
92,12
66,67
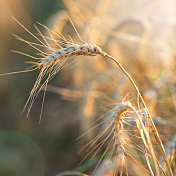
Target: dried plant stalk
x,y
50,63
154,130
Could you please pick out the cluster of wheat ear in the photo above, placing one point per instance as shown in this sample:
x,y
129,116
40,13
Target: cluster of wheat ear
x,y
53,60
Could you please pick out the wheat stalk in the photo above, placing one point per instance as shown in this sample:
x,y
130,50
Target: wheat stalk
x,y
154,130
50,63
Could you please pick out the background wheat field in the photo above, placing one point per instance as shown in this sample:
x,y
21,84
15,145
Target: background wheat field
x,y
90,98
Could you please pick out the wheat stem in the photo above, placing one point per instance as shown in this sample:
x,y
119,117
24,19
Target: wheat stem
x,y
154,130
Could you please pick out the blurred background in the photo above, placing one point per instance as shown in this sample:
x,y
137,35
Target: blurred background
x,y
140,34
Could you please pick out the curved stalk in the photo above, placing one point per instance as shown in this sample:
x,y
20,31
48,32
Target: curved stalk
x,y
154,130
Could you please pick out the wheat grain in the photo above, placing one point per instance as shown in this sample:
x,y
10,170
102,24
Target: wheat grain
x,y
71,50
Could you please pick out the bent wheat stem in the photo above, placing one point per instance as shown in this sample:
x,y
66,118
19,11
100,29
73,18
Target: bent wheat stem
x,y
154,130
